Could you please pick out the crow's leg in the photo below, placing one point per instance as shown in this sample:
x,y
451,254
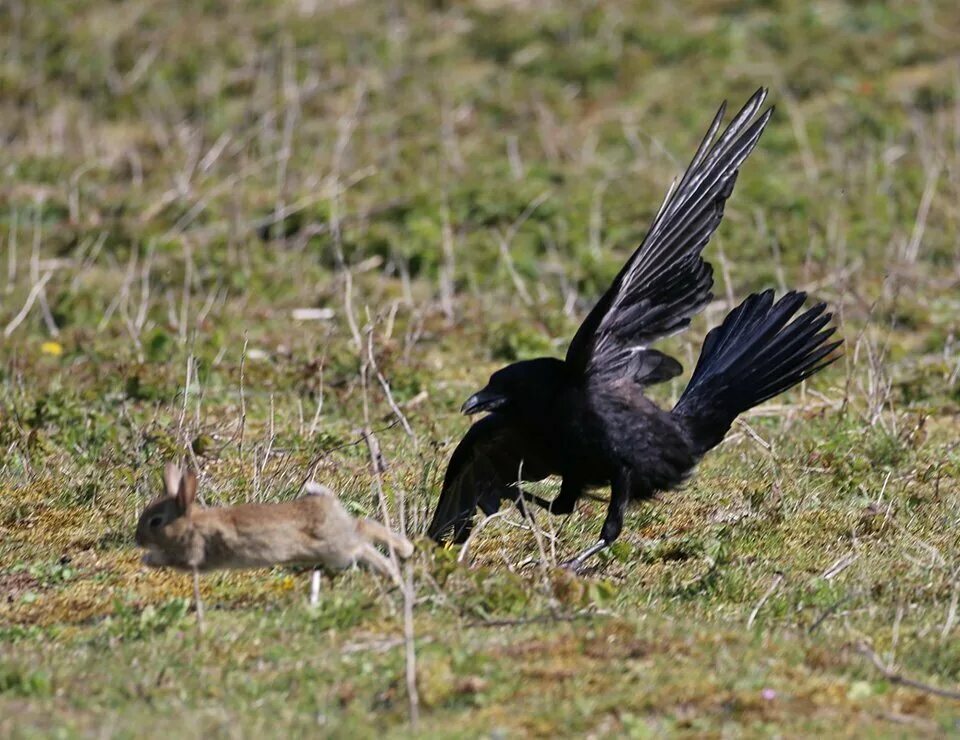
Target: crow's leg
x,y
576,564
612,525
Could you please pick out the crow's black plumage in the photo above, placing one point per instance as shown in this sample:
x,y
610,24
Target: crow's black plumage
x,y
586,418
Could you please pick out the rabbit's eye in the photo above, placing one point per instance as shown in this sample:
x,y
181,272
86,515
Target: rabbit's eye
x,y
156,522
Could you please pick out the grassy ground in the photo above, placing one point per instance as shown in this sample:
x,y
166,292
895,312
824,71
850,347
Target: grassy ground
x,y
457,183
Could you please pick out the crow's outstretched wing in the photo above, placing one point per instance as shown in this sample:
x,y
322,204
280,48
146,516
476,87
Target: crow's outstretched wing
x,y
666,281
483,470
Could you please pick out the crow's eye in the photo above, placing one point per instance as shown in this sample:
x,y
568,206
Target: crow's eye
x,y
156,522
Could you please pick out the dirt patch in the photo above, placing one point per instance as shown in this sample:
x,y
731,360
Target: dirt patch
x,y
14,585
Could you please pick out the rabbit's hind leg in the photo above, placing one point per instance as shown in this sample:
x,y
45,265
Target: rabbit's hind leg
x,y
372,557
198,602
315,587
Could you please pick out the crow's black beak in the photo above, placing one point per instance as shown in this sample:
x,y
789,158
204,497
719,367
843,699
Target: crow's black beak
x,y
485,400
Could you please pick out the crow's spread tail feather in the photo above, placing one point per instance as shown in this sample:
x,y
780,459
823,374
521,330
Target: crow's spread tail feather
x,y
755,354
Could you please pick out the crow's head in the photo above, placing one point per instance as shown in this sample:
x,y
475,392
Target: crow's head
x,y
523,386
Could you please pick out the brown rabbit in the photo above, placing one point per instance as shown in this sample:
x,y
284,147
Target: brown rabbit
x,y
312,530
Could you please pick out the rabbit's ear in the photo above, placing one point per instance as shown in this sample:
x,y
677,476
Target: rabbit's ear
x,y
171,479
187,492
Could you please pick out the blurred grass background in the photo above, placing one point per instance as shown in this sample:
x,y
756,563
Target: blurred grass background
x,y
450,186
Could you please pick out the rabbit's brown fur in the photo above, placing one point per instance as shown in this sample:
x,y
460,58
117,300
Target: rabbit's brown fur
x,y
312,530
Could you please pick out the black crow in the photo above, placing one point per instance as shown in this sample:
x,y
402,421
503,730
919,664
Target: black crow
x,y
586,418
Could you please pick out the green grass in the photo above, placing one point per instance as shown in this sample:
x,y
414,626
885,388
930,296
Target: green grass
x,y
460,182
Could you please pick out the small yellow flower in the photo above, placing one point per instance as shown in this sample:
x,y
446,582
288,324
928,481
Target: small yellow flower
x,y
52,348
287,583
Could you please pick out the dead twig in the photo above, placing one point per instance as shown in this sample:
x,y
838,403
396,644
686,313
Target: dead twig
x,y
465,549
830,610
897,678
777,580
404,578
385,385
35,292
541,619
